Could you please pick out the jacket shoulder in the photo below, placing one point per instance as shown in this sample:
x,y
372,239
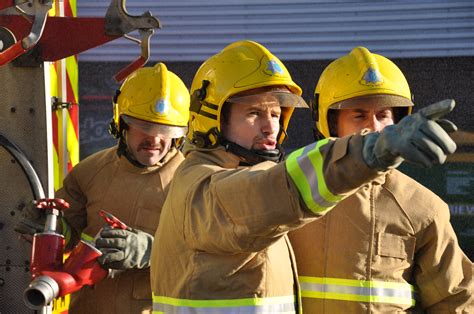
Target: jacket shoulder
x,y
98,159
196,167
91,166
418,202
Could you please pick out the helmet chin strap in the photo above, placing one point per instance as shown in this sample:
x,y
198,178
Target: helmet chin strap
x,y
252,157
123,151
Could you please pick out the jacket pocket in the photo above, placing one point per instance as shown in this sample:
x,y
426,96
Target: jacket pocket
x,y
392,245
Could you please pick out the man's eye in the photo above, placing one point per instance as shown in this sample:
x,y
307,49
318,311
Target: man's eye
x,y
384,115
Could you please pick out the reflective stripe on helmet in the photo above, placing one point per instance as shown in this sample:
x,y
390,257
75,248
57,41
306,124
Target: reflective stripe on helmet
x,y
357,290
275,305
305,167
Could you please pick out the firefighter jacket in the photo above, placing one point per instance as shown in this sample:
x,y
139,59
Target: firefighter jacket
x,y
389,248
132,194
222,247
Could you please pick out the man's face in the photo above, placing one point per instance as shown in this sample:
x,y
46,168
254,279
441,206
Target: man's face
x,y
255,124
367,116
147,149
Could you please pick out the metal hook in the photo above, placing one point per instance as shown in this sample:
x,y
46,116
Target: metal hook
x,y
40,9
120,22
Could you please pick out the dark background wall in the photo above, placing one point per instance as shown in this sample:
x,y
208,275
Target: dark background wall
x,y
430,79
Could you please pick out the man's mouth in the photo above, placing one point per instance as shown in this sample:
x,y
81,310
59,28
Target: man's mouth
x,y
266,144
150,148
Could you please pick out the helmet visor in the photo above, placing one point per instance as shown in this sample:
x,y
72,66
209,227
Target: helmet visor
x,y
379,100
156,129
271,98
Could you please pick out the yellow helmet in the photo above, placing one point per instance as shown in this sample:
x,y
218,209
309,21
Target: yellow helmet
x,y
239,67
349,79
154,99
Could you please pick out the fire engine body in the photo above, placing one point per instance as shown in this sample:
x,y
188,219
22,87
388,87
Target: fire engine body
x,y
39,41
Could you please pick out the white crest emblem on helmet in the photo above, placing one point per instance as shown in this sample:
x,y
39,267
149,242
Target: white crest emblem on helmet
x,y
162,107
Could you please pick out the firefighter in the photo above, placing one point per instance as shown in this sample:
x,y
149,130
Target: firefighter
x,y
222,245
151,113
389,247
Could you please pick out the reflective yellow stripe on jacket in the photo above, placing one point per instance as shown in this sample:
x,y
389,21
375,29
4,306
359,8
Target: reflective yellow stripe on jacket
x,y
66,230
165,305
305,167
357,290
87,238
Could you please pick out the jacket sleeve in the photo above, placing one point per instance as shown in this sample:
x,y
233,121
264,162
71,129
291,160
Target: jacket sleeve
x,y
244,209
443,272
247,209
328,171
74,217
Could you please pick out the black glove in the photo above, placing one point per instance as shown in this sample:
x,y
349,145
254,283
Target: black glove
x,y
124,249
421,138
31,219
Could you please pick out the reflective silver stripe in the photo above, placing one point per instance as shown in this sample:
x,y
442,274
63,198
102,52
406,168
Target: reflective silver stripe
x,y
277,305
309,172
374,291
305,166
266,309
357,290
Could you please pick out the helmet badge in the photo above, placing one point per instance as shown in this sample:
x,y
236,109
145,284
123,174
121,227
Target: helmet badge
x,y
372,77
274,67
161,107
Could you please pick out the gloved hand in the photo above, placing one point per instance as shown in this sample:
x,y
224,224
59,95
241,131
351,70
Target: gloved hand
x,y
124,249
31,219
421,138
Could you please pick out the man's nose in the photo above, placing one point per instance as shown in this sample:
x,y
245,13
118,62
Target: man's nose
x,y
154,139
270,125
374,124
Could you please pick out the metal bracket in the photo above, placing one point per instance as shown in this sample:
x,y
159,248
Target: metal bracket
x,y
58,105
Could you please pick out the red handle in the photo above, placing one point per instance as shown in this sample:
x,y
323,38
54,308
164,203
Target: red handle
x,y
11,53
135,65
52,203
113,221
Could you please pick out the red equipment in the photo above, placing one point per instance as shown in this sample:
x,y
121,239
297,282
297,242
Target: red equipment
x,y
113,221
51,277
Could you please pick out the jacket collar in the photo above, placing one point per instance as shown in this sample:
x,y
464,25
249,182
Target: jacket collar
x,y
125,164
216,156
